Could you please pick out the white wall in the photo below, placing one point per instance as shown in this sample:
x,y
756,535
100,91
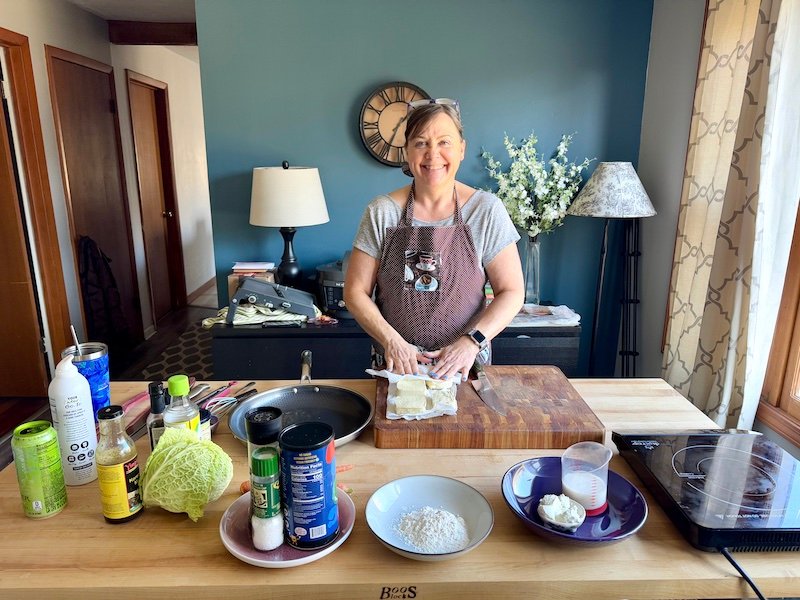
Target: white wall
x,y
61,24
669,93
179,68
57,23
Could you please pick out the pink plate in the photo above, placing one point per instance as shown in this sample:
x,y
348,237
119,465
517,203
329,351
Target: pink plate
x,y
234,529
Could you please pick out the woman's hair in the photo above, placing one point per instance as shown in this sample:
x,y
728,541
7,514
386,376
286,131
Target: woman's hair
x,y
420,117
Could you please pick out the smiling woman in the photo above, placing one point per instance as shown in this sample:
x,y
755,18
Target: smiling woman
x,y
426,250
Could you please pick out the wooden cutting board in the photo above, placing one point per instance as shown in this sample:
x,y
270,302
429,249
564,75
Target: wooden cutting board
x,y
543,410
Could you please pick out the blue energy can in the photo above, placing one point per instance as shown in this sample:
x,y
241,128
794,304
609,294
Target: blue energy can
x,y
308,485
91,359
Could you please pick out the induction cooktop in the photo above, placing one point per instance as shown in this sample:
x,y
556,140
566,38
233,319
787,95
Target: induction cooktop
x,y
734,490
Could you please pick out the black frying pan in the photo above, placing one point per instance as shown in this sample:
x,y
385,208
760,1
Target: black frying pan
x,y
346,411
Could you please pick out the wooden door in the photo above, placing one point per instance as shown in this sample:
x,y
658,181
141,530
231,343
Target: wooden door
x,y
160,224
23,368
84,107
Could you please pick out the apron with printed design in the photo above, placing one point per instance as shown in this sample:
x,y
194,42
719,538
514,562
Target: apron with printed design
x,y
430,281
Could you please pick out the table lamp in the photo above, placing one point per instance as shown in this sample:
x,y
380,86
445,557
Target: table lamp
x,y
614,191
287,197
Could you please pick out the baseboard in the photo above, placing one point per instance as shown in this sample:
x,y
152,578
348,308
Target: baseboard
x,y
201,290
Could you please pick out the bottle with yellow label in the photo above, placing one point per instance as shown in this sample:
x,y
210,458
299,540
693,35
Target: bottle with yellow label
x,y
181,411
117,468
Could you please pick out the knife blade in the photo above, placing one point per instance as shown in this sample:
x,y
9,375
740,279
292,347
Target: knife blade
x,y
485,390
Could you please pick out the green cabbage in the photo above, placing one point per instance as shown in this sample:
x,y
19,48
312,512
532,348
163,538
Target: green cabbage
x,y
183,474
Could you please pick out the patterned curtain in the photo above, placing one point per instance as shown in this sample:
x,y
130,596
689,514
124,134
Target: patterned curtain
x,y
705,355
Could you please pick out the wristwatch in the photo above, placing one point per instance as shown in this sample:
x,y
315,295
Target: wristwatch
x,y
480,339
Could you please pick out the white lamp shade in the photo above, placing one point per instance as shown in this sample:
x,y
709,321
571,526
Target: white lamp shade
x,y
614,191
290,197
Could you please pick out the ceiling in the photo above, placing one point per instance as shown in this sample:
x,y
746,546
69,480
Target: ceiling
x,y
153,11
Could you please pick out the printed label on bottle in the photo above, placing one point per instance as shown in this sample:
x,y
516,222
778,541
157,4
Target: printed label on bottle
x,y
192,425
266,499
156,431
119,489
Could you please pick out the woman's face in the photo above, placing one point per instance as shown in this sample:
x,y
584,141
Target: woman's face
x,y
436,152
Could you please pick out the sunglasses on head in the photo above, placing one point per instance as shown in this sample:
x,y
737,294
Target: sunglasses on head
x,y
426,101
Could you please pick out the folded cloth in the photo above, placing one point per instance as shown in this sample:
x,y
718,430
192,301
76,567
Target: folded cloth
x,y
533,315
253,314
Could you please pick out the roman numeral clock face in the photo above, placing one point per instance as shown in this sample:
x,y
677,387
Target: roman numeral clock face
x,y
382,122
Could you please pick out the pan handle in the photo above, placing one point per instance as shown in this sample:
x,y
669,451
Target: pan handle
x,y
305,366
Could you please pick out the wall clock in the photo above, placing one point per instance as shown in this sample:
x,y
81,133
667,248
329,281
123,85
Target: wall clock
x,y
382,122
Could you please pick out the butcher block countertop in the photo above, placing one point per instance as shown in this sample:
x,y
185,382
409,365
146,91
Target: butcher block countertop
x,y
75,554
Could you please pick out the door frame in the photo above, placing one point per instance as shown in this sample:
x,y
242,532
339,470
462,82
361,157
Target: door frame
x,y
54,53
43,233
175,264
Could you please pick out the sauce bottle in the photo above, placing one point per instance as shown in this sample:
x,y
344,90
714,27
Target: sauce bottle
x,y
155,420
181,411
117,467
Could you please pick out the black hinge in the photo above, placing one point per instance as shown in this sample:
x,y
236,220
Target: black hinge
x,y
44,345
112,104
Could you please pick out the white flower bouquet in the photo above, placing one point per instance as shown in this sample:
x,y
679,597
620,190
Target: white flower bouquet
x,y
536,198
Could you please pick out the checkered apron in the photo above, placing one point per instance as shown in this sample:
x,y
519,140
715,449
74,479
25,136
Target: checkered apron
x,y
430,281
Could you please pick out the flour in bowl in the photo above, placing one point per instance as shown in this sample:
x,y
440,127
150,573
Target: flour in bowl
x,y
433,530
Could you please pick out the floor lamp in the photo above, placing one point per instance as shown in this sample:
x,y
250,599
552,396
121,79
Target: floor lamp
x,y
287,197
614,191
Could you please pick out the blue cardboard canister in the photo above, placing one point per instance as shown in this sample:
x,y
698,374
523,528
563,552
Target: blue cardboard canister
x,y
91,358
308,485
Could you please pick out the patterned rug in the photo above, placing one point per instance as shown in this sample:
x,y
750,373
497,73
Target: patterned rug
x,y
189,355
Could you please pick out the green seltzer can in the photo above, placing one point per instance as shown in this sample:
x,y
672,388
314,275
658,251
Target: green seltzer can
x,y
37,460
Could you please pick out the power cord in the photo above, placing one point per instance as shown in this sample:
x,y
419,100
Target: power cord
x,y
742,572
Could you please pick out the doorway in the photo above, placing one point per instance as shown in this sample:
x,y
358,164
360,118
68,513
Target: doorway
x,y
149,106
42,248
87,129
23,362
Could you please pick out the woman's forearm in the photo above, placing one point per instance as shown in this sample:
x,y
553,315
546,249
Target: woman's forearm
x,y
498,314
367,315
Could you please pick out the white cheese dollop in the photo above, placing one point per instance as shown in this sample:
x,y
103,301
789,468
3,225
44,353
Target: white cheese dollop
x,y
561,509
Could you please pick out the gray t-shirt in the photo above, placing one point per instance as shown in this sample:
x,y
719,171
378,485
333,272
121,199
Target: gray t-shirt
x,y
488,220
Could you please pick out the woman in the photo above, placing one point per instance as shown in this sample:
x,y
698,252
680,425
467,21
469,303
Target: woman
x,y
426,250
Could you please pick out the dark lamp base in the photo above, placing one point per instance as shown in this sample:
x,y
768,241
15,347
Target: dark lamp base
x,y
289,272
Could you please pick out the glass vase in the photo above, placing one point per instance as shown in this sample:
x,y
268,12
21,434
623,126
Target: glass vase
x,y
532,270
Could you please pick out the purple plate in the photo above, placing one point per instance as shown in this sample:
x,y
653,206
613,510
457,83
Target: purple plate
x,y
525,483
234,529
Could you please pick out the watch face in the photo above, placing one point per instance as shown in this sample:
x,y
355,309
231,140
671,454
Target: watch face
x,y
479,338
382,122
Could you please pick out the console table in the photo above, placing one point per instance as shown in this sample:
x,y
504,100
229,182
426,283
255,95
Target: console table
x,y
343,350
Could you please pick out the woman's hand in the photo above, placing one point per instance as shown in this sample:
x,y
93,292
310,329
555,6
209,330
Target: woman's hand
x,y
454,360
403,358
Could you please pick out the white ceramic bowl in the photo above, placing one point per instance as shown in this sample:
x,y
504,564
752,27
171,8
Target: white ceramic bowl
x,y
386,506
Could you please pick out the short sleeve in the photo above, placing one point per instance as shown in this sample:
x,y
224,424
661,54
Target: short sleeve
x,y
379,214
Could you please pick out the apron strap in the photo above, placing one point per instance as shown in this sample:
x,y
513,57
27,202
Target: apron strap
x,y
408,212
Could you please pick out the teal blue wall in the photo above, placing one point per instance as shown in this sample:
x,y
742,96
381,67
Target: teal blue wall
x,y
284,80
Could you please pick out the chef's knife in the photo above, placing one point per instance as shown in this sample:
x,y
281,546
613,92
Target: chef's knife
x,y
486,391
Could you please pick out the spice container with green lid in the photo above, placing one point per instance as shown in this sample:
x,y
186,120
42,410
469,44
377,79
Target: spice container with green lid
x,y
117,467
265,492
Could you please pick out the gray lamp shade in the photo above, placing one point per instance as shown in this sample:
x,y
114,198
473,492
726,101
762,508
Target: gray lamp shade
x,y
287,197
614,191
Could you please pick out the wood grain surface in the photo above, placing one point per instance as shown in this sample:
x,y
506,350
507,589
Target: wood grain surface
x,y
543,410
76,554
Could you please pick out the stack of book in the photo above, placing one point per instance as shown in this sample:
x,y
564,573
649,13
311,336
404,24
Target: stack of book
x,y
265,271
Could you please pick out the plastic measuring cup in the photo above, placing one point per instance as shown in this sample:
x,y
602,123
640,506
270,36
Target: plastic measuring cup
x,y
584,475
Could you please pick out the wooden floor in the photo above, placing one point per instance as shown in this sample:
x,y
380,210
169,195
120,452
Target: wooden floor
x,y
14,411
